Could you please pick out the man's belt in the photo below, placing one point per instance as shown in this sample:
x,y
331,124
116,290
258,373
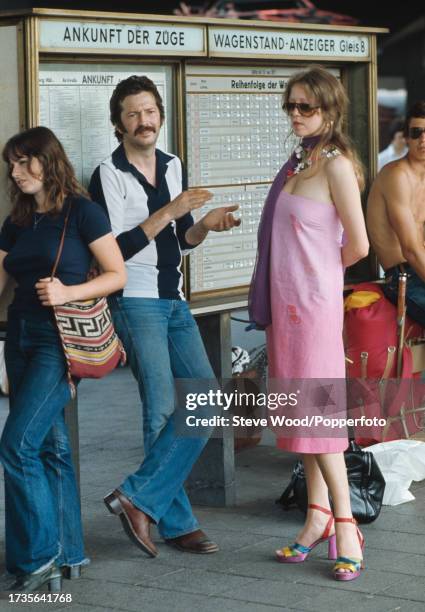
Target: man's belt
x,y
402,268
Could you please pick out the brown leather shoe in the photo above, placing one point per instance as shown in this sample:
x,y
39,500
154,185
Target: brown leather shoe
x,y
195,542
135,522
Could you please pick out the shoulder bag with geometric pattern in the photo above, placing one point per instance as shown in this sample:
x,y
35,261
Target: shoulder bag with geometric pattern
x,y
91,346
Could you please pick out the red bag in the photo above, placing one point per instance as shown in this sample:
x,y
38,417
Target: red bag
x,y
373,330
370,335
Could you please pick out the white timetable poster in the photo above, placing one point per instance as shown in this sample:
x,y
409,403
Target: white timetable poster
x,y
238,138
74,103
226,259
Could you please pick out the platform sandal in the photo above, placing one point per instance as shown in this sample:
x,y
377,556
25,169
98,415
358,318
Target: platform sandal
x,y
71,572
75,571
27,583
297,553
353,565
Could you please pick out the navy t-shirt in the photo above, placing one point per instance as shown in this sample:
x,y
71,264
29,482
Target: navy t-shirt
x,y
31,250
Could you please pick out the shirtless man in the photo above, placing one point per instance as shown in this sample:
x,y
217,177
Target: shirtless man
x,y
396,217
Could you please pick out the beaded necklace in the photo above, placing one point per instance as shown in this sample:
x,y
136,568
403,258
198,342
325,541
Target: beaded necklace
x,y
304,159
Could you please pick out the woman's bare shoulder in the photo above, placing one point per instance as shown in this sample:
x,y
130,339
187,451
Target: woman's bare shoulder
x,y
336,163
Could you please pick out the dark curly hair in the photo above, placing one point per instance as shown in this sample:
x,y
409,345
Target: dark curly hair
x,y
129,87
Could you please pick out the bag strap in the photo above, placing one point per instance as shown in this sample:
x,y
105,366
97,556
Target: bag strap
x,y
354,447
287,499
60,249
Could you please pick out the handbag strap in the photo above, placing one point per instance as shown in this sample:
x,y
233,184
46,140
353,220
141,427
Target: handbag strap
x,y
287,499
60,249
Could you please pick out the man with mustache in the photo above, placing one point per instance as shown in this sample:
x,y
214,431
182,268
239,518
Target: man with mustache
x,y
145,193
396,216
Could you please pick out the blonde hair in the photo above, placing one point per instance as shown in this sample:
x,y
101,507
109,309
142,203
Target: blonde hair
x,y
332,98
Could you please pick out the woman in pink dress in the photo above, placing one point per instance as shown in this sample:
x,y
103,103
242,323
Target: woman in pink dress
x,y
311,229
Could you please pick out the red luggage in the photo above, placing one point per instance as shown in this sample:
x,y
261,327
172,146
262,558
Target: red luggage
x,y
373,349
372,330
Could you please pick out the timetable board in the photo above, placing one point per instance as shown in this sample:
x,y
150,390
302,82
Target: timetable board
x,y
237,139
226,259
74,103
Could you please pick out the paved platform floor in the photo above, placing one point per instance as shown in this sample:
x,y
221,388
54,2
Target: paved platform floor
x,y
243,576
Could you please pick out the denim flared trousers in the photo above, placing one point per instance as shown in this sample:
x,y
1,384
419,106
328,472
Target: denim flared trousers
x,y
163,345
43,518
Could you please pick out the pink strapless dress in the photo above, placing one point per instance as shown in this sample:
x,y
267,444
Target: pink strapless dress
x,y
304,340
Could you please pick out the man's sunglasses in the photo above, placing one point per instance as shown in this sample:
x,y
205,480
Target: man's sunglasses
x,y
415,132
303,108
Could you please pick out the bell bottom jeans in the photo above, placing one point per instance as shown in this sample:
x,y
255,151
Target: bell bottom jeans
x,y
43,518
163,343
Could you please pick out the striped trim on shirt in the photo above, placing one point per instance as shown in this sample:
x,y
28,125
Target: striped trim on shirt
x,y
153,267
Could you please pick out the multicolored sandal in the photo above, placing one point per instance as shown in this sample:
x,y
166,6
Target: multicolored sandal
x,y
349,568
297,553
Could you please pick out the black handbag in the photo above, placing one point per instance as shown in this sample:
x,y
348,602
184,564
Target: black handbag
x,y
367,485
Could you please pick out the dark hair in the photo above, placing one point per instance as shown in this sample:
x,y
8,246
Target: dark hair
x,y
417,110
129,87
332,98
58,174
396,126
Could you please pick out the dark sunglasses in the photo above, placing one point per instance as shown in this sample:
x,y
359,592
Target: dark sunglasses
x,y
416,132
303,108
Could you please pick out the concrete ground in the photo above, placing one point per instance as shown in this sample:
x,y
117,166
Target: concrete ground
x,y
243,576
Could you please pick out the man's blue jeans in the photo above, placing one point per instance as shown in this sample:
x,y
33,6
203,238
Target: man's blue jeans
x,y
162,342
43,519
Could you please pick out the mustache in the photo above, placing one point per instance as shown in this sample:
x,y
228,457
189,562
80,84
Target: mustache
x,y
143,128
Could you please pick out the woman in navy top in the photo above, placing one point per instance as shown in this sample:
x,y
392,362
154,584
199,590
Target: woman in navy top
x,y
43,522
